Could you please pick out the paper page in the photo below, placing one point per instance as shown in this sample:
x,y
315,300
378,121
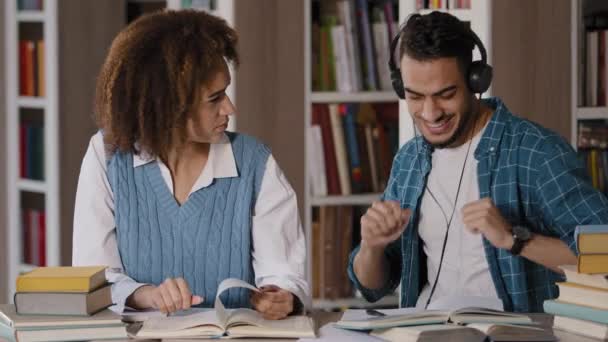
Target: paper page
x,y
132,316
222,313
459,302
356,314
329,333
177,322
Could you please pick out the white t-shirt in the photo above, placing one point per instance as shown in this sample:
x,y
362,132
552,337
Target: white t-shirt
x,y
465,270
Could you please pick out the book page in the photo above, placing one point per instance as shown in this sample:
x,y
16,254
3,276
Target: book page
x,y
369,322
174,323
222,313
482,315
459,302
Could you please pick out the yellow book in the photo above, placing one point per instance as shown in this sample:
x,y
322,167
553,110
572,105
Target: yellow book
x,y
593,263
593,243
62,279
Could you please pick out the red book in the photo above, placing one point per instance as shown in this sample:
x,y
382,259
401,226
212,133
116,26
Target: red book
x,y
601,64
42,238
22,67
320,116
26,240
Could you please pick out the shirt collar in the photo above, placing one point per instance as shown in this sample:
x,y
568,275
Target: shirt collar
x,y
220,164
491,137
494,130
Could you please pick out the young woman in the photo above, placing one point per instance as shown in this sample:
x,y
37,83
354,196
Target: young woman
x,y
167,198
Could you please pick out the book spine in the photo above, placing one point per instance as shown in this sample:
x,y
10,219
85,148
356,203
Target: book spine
x,y
575,311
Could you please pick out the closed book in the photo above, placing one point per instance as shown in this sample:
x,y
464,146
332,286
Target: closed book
x,y
583,295
581,327
468,333
592,239
62,279
556,307
599,280
63,303
103,325
593,263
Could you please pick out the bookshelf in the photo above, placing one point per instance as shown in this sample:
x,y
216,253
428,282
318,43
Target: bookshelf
x,y
589,87
49,121
478,15
24,191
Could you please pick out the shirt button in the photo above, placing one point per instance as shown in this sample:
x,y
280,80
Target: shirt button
x,y
492,149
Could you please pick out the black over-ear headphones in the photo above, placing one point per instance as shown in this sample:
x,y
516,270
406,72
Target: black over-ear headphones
x,y
479,75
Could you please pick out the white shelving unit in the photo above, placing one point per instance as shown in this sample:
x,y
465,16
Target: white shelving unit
x,y
223,9
49,188
479,17
577,38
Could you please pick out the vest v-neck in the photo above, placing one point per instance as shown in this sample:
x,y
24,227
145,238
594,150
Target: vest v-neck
x,y
166,197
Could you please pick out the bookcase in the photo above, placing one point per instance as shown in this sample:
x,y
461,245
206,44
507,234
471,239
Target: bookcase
x,y
32,136
589,37
51,67
342,92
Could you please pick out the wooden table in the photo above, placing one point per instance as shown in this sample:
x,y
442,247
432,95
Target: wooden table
x,y
322,317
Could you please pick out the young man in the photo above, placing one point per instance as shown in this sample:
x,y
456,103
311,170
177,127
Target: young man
x,y
481,202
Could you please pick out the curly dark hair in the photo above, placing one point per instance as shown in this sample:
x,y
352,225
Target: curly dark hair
x,y
150,82
437,35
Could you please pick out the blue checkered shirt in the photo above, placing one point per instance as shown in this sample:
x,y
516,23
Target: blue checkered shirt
x,y
533,177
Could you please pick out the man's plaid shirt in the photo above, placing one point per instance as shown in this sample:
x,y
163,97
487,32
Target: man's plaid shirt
x,y
534,178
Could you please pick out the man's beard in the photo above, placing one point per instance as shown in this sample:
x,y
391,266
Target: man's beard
x,y
463,128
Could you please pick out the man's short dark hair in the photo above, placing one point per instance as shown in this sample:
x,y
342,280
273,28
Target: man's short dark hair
x,y
437,35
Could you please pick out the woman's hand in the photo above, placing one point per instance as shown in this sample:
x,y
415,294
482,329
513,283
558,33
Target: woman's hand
x,y
170,296
273,302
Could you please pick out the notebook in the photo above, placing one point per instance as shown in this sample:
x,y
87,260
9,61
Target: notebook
x,y
220,322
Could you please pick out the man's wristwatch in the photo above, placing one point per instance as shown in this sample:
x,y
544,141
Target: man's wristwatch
x,y
521,236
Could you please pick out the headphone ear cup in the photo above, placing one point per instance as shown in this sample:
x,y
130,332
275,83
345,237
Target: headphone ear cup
x,y
479,77
397,82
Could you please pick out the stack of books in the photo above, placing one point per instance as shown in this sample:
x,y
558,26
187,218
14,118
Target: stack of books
x,y
61,303
582,305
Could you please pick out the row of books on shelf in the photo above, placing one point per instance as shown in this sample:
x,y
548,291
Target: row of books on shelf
x,y
597,167
61,304
31,68
334,231
596,72
34,236
31,151
352,147
30,5
582,305
593,133
350,45
442,4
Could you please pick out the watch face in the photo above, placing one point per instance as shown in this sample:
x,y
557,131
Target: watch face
x,y
521,233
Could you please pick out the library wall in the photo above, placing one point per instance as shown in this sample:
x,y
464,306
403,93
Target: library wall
x,y
531,60
270,81
86,30
3,218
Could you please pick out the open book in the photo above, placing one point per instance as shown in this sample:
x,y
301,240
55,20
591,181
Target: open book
x,y
469,333
225,322
461,316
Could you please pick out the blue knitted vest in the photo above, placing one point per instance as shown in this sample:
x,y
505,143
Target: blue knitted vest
x,y
205,241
